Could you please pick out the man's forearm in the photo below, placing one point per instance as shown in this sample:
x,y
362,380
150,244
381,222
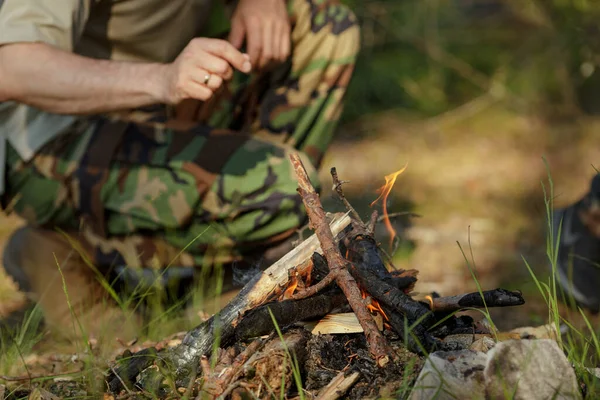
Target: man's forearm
x,y
60,82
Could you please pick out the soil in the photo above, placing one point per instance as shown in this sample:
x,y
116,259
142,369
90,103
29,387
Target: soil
x,y
321,358
330,354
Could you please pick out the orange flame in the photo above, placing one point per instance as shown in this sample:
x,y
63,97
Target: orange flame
x,y
376,308
289,292
373,305
385,192
430,299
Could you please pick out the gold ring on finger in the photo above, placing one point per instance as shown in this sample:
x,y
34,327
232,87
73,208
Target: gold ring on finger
x,y
206,78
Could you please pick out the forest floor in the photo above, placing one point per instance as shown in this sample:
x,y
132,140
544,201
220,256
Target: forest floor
x,y
475,179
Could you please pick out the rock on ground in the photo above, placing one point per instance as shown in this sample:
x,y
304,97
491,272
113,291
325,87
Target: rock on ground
x,y
451,375
529,369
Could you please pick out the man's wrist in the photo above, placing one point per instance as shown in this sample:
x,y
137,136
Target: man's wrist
x,y
152,82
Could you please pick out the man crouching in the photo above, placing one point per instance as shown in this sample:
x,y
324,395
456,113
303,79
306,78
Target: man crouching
x,y
130,137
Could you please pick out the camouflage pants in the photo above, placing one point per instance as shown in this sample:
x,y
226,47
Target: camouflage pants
x,y
147,189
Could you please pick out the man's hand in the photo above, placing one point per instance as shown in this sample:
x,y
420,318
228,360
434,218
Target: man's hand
x,y
201,69
266,27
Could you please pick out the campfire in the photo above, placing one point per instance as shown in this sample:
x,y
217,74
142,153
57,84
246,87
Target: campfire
x,y
340,275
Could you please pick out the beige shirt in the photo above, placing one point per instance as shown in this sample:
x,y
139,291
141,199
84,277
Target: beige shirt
x,y
125,30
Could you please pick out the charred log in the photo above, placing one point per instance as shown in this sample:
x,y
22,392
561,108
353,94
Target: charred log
x,y
487,298
259,322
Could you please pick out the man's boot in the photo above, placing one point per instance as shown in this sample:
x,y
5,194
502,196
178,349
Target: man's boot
x,y
578,266
69,292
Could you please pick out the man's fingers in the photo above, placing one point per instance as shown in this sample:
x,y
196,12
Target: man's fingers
x,y
225,50
205,78
196,90
236,36
254,41
277,31
285,43
214,65
266,55
214,82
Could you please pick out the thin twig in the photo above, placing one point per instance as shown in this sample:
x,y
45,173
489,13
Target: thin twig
x,y
372,222
378,346
121,380
231,372
337,187
236,385
398,214
230,389
314,289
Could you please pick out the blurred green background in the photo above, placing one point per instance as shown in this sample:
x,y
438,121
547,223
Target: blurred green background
x,y
474,95
433,55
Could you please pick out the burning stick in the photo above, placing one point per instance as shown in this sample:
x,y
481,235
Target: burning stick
x,y
338,265
258,322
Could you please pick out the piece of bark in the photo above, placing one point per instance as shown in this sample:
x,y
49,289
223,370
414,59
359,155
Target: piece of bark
x,y
199,341
378,346
338,386
320,268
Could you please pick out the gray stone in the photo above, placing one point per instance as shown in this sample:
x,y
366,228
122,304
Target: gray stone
x,y
483,344
529,369
451,375
457,342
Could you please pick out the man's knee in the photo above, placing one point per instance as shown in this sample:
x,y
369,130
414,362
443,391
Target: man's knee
x,y
256,195
337,20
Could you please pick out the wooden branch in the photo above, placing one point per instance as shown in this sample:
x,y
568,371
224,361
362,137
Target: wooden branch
x,y
493,298
378,346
